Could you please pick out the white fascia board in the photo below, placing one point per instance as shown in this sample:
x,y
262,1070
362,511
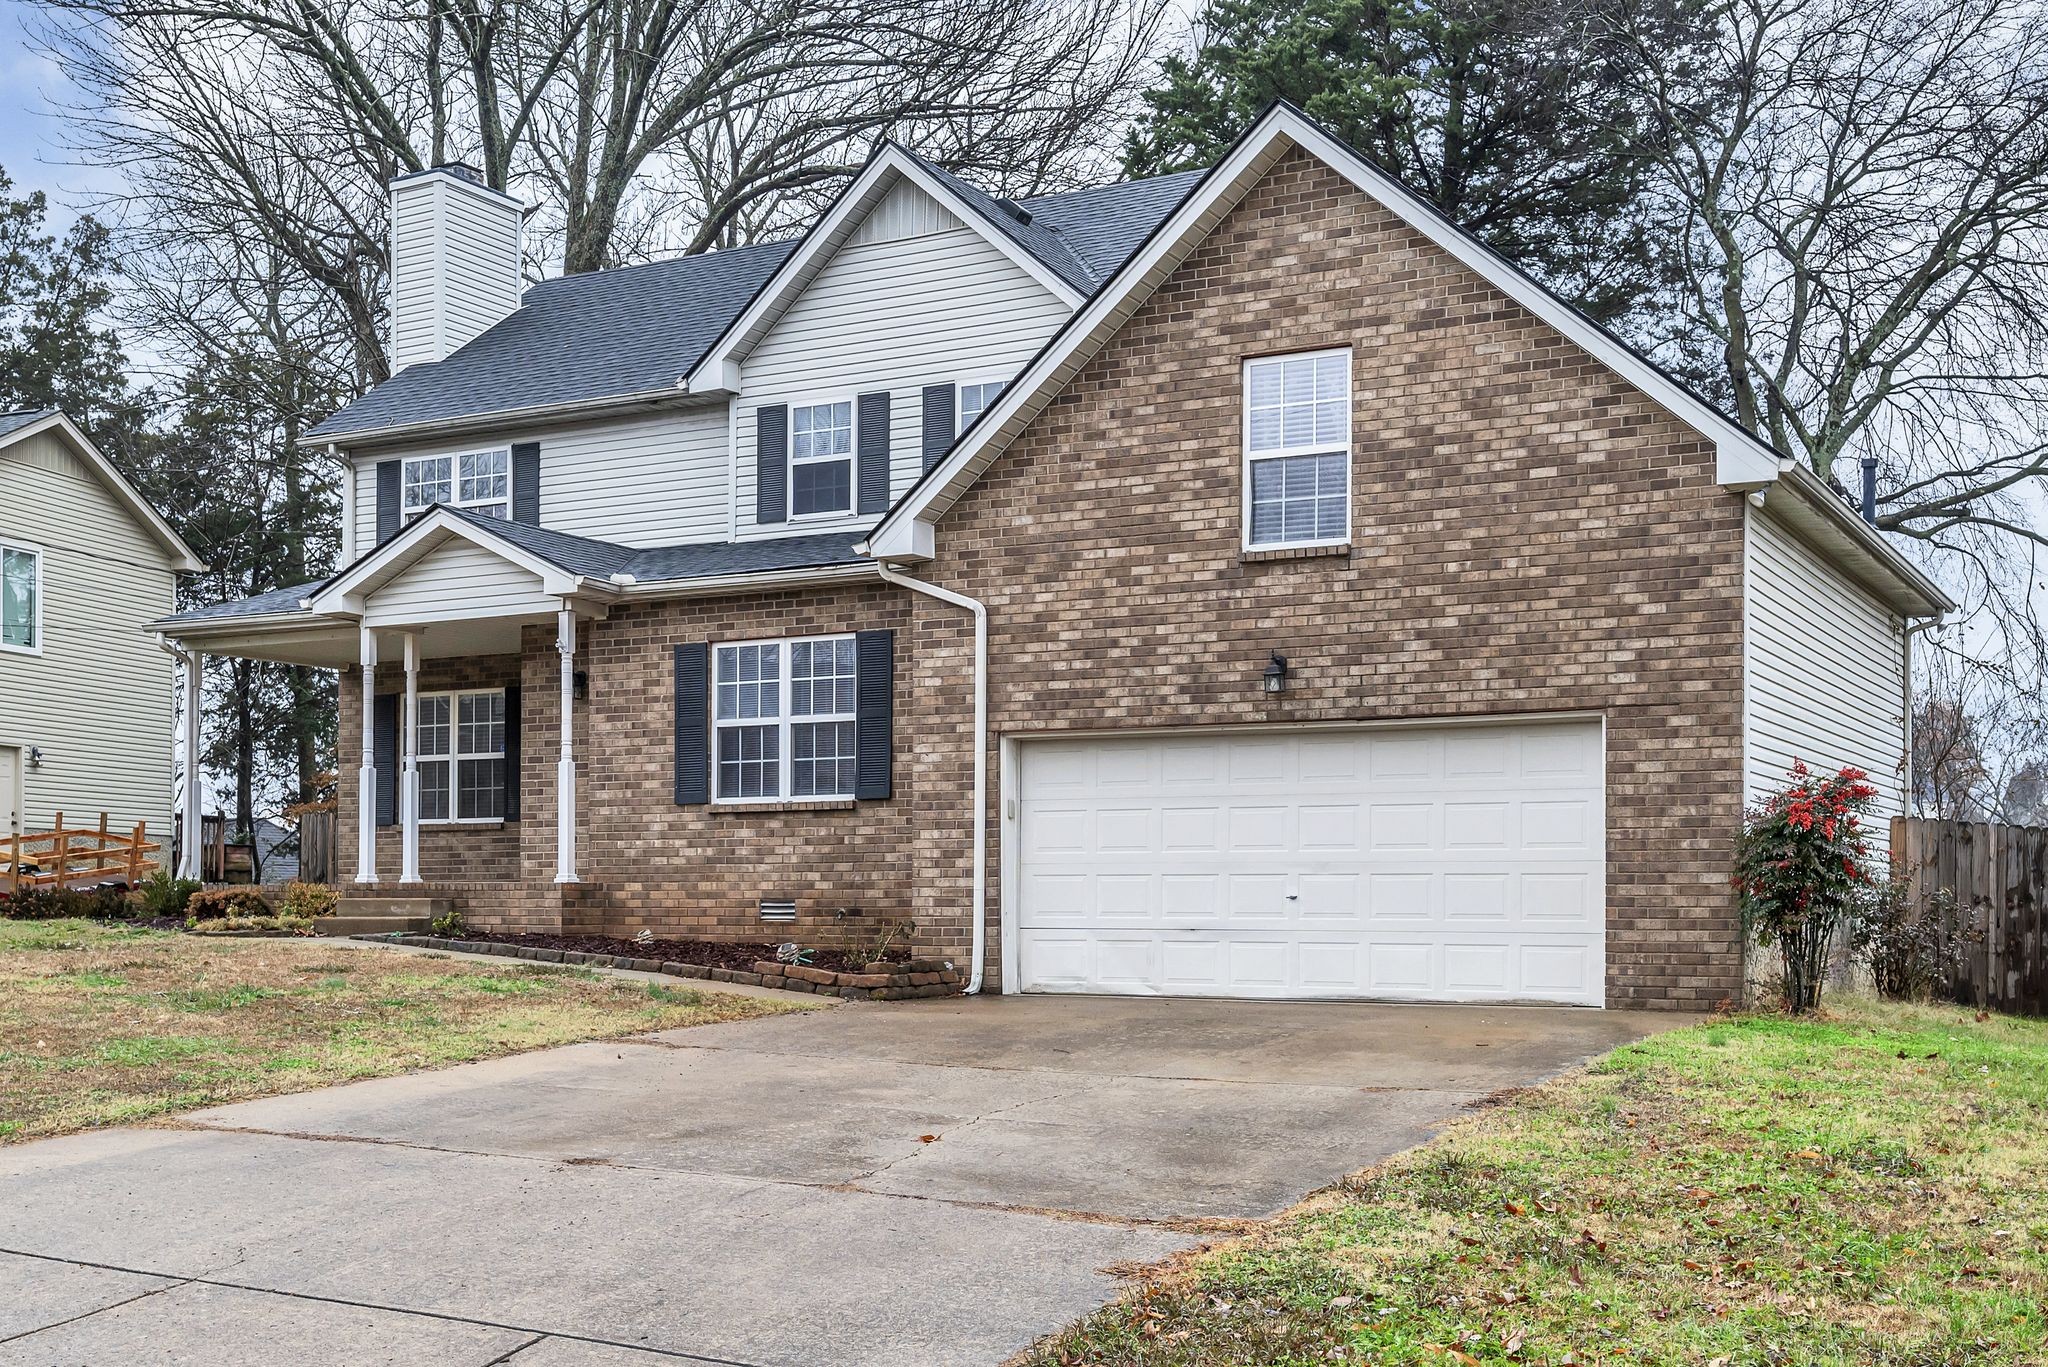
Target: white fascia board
x,y
718,370
347,590
1740,456
182,558
1859,549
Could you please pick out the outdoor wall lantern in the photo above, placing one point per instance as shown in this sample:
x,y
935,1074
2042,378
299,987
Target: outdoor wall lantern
x,y
35,757
580,686
1275,677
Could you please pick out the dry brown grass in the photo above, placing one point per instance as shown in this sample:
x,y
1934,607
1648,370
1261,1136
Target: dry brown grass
x,y
108,1025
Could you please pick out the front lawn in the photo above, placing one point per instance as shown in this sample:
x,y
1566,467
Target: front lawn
x,y
1868,1189
103,1025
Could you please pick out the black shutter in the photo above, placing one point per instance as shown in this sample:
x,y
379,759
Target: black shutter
x,y
384,754
512,753
771,463
387,500
526,483
940,419
874,654
693,724
871,440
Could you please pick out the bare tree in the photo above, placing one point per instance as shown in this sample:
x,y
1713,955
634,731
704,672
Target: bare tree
x,y
1860,191
1980,741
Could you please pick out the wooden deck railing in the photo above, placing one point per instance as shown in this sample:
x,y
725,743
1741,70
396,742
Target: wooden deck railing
x,y
63,856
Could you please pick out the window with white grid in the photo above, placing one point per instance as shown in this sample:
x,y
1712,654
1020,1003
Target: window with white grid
x,y
821,459
783,716
1297,449
462,756
479,480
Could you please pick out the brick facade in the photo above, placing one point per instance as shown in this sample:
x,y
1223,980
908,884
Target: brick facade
x,y
1530,535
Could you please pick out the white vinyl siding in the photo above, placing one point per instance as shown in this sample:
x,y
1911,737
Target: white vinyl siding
x,y
455,267
906,211
650,481
892,316
97,699
456,581
1824,676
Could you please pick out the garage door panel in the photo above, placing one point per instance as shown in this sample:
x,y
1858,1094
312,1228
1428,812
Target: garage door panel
x,y
1453,863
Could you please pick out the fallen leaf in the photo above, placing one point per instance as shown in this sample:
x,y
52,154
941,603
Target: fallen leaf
x,y
1515,1209
927,1139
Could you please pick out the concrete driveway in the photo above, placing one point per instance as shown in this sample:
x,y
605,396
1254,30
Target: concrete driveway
x,y
909,1184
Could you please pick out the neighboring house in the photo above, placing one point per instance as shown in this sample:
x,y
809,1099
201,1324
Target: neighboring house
x,y
85,693
1236,583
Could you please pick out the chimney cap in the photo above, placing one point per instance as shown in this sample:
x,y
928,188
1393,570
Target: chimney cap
x,y
460,171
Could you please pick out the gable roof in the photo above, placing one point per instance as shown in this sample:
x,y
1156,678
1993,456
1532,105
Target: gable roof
x,y
20,425
636,332
905,532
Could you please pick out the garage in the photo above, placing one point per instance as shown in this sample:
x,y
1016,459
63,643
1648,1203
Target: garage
x,y
1420,863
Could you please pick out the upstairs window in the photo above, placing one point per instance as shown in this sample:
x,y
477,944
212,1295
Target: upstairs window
x,y
821,459
974,400
478,480
1297,449
784,718
21,598
462,756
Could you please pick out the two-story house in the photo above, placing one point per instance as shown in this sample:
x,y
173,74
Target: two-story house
x,y
85,695
1237,583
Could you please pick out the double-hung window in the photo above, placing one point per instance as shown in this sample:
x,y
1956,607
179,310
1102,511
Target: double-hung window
x,y
462,756
21,598
821,458
974,400
783,713
479,480
1297,449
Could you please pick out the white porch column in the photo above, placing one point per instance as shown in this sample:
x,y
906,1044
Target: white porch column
x,y
193,797
565,768
409,773
366,776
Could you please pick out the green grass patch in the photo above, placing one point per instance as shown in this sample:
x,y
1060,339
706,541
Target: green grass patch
x,y
103,1025
1871,1188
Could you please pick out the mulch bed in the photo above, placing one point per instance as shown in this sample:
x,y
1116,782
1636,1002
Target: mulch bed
x,y
727,954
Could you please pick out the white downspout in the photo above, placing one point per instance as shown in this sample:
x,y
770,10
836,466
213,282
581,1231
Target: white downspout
x,y
980,898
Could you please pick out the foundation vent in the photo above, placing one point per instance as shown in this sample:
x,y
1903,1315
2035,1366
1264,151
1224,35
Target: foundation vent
x,y
778,911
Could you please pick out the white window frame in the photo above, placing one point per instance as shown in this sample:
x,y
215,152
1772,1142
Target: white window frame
x,y
35,626
407,511
960,418
783,722
1281,453
852,459
456,753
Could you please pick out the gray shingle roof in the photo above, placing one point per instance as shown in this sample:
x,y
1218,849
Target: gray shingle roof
x,y
596,560
639,329
14,422
577,337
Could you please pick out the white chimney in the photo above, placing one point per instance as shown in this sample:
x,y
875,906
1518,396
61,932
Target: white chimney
x,y
455,266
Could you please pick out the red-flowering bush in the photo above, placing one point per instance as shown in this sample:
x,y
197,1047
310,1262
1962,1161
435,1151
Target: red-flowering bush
x,y
1801,869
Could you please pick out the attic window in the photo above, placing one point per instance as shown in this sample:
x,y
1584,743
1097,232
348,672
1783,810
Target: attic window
x,y
478,480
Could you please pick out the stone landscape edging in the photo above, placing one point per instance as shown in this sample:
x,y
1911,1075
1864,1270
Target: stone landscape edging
x,y
920,978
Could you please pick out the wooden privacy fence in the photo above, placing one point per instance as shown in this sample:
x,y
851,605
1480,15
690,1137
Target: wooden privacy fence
x,y
64,856
1999,876
316,847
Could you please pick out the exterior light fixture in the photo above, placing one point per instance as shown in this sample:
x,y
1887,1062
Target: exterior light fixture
x,y
35,757
1275,677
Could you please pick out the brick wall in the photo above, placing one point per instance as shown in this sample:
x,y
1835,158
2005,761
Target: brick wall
x,y
1530,535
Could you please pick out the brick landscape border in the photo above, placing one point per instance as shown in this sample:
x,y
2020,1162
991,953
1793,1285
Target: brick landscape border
x,y
919,978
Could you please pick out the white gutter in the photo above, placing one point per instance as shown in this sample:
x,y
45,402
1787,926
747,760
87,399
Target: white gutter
x,y
980,898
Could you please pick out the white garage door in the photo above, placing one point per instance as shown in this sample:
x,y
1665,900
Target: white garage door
x,y
1435,864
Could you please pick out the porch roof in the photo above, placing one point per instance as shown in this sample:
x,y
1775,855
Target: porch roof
x,y
583,556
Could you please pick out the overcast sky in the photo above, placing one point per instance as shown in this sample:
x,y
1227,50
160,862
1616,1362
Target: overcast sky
x,y
30,133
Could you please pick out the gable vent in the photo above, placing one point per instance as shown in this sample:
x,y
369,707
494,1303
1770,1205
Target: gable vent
x,y
778,911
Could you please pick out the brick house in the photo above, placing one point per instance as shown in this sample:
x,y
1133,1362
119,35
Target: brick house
x,y
1236,583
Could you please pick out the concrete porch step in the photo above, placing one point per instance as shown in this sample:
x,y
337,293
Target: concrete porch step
x,y
382,915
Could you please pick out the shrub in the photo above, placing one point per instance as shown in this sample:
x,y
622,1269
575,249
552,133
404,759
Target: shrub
x,y
165,894
1911,950
218,904
1800,871
265,924
51,904
449,922
307,900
